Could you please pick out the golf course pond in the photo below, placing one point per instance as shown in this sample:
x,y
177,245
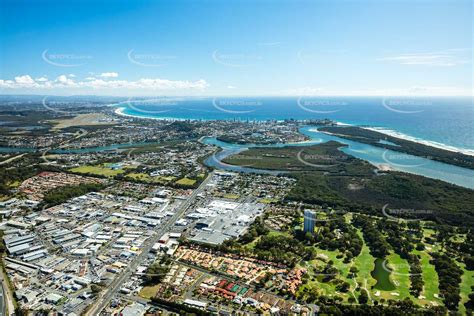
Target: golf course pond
x,y
382,275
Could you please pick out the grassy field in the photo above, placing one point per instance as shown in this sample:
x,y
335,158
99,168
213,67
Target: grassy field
x,y
268,201
149,291
430,278
231,196
140,177
399,277
81,120
467,282
100,170
365,263
148,179
14,184
397,273
251,245
186,182
315,282
275,233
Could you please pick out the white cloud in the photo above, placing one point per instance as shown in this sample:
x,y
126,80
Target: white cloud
x,y
64,80
447,58
24,80
231,87
98,85
109,75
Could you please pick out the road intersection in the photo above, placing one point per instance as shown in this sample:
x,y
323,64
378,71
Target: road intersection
x,y
114,287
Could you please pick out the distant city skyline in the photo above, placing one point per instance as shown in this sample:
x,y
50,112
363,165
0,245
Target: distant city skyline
x,y
240,48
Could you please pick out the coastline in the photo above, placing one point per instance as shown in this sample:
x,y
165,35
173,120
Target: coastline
x,y
389,132
386,131
120,111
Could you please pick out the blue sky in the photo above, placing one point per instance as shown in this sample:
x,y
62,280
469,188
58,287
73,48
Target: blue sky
x,y
327,47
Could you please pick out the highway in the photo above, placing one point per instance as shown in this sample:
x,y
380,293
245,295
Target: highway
x,y
2,302
114,287
7,307
11,159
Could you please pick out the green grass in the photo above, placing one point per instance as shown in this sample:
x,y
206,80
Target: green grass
x,y
400,276
274,233
428,232
467,282
317,157
251,245
316,281
97,170
231,196
143,177
365,262
186,181
338,263
268,201
149,291
430,279
14,184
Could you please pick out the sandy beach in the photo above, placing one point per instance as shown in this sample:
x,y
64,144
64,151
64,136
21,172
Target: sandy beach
x,y
399,135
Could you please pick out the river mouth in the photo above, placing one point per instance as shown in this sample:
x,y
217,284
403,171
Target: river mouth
x,y
379,157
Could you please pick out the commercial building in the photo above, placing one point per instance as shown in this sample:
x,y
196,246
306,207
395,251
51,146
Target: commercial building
x,y
222,220
309,221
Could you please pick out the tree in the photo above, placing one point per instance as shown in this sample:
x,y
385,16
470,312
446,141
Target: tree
x,y
354,269
2,245
95,288
344,287
363,297
155,273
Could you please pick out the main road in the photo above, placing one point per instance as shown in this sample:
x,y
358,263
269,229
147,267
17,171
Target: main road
x,y
7,306
114,287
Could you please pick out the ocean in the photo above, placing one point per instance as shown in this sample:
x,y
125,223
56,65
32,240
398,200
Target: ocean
x,y
445,122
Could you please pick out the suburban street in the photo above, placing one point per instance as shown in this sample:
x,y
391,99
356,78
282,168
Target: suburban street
x,y
114,287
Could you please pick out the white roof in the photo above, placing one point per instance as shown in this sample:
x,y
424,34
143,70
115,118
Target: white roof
x,y
195,303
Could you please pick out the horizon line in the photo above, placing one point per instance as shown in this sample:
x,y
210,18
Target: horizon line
x,y
242,96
